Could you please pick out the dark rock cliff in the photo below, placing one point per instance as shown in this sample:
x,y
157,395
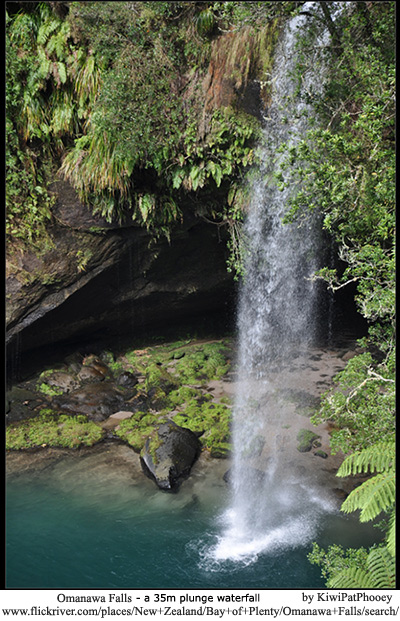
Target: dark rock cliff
x,y
107,282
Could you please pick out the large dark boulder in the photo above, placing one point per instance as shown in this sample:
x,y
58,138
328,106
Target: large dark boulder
x,y
97,401
169,454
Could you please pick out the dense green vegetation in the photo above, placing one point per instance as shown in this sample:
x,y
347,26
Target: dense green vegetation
x,y
346,166
111,98
375,568
49,93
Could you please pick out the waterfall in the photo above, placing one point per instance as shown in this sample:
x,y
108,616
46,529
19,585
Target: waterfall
x,y
273,505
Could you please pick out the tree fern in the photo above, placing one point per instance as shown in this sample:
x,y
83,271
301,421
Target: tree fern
x,y
375,458
382,566
372,497
378,493
46,28
391,535
380,573
352,578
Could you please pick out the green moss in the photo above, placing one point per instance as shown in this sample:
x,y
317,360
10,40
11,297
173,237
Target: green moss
x,y
266,41
226,400
51,429
47,373
116,366
153,442
306,439
46,389
169,351
133,361
174,364
169,370
138,428
212,420
157,377
249,54
203,362
50,391
220,449
186,394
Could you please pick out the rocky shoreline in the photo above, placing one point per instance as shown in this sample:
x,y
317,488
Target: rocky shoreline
x,y
153,423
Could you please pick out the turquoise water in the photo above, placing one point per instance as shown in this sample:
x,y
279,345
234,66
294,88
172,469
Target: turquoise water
x,y
79,524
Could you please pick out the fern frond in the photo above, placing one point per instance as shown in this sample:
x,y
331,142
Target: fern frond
x,y
379,574
62,72
382,567
373,496
24,23
351,578
375,458
391,535
46,29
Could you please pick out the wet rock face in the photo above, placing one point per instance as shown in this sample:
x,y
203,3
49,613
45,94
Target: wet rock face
x,y
127,379
97,401
65,382
169,454
106,283
237,65
253,474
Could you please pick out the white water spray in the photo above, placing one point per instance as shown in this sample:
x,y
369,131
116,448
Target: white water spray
x,y
273,505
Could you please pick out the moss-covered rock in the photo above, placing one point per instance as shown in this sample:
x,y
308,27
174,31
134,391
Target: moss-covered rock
x,y
95,400
212,421
56,382
152,384
158,378
306,440
204,362
138,428
169,454
52,429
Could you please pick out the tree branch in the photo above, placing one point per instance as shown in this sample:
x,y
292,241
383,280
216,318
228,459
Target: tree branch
x,y
330,24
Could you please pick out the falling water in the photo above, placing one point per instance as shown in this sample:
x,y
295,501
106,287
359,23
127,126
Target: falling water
x,y
272,505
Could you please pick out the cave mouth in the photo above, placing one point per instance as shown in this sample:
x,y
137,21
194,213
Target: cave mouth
x,y
22,363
